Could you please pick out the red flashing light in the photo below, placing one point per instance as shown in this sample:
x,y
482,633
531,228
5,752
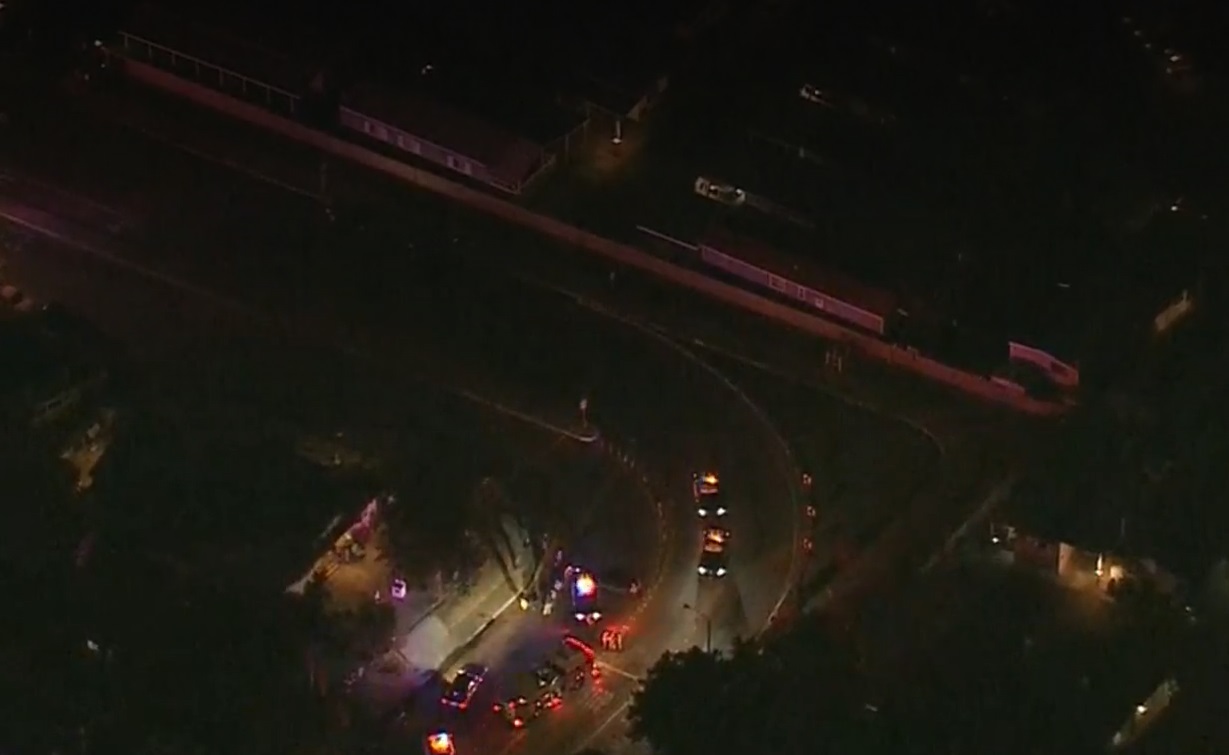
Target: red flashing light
x,y
579,644
585,585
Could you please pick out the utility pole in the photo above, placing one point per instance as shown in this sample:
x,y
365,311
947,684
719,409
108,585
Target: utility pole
x,y
708,626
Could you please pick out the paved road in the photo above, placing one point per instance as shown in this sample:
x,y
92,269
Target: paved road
x,y
402,315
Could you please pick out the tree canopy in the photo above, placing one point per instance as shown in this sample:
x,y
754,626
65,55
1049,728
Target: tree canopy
x,y
433,526
799,694
42,517
192,667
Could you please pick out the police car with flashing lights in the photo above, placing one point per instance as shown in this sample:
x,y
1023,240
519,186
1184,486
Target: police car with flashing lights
x,y
714,555
584,591
706,490
439,743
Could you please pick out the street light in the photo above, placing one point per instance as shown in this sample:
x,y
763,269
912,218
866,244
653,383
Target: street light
x,y
708,626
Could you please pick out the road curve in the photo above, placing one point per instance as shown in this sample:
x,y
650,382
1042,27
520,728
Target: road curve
x,y
670,412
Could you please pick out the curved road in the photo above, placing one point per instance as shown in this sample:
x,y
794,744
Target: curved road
x,y
243,265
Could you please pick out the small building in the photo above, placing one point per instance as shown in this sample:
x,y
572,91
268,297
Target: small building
x,y
420,127
813,286
216,58
508,99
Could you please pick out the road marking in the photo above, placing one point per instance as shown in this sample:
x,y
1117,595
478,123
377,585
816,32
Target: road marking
x,y
597,732
606,666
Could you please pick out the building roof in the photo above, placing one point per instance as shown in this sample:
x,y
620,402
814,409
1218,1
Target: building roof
x,y
509,157
221,48
803,271
504,97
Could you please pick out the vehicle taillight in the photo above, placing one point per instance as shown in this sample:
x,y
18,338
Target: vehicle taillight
x,y
497,707
518,723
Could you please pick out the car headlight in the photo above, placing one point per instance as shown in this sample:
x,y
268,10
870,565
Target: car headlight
x,y
702,570
580,617
721,512
721,572
703,512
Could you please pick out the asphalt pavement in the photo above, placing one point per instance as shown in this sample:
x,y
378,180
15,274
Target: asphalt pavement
x,y
228,273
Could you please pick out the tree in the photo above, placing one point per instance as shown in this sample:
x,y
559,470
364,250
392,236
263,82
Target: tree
x,y
430,529
683,696
196,668
42,524
799,694
211,499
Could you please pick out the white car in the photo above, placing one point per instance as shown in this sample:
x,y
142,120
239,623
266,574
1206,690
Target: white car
x,y
706,491
720,192
815,95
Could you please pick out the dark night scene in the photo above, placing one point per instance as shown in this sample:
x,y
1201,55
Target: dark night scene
x,y
656,377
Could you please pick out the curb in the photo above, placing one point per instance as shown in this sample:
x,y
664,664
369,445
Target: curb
x,y
468,642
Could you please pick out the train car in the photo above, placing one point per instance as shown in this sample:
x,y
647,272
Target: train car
x,y
823,291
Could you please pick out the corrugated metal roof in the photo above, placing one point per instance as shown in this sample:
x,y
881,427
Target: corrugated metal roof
x,y
804,272
222,49
508,157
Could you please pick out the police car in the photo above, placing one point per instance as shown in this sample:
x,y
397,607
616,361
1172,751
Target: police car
x,y
584,597
706,490
714,556
439,743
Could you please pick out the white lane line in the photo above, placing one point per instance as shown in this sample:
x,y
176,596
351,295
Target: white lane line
x,y
605,666
604,725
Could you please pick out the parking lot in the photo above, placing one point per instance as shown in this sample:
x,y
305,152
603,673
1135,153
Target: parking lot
x,y
957,155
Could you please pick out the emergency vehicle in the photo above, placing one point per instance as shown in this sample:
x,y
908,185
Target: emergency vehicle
x,y
439,743
585,597
714,558
706,490
532,693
